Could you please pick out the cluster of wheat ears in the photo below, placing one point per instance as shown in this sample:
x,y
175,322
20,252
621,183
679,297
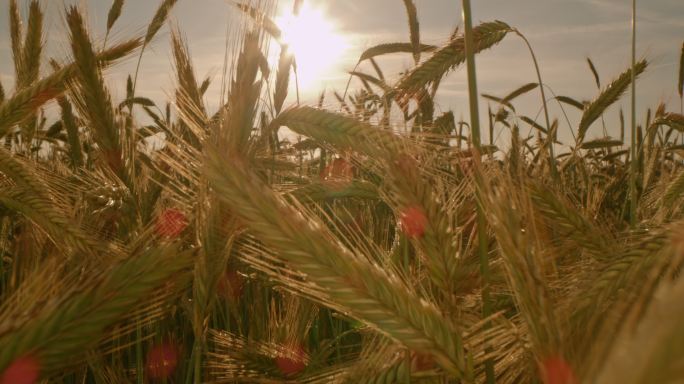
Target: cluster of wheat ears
x,y
358,254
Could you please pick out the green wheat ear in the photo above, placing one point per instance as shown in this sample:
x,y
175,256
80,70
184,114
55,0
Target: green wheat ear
x,y
608,97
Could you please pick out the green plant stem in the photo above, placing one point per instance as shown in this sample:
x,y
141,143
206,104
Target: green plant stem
x,y
551,133
475,133
633,149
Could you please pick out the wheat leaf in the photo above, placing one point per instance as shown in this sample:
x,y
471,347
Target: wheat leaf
x,y
680,85
389,48
414,29
570,101
594,72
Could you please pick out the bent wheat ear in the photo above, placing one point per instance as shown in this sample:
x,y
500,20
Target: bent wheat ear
x,y
26,101
372,294
452,55
607,98
342,131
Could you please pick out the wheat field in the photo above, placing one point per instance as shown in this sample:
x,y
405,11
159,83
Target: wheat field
x,y
147,242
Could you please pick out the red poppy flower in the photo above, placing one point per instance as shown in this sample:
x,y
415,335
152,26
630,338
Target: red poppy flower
x,y
292,362
413,221
24,370
161,361
171,223
555,370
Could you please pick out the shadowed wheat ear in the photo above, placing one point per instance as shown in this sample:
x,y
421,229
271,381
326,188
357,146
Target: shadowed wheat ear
x,y
375,295
60,334
570,223
608,97
452,55
33,198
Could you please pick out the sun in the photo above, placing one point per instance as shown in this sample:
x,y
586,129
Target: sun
x,y
316,43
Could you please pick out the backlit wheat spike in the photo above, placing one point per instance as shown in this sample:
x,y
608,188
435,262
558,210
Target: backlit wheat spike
x,y
285,63
64,330
188,96
342,131
366,291
243,96
94,100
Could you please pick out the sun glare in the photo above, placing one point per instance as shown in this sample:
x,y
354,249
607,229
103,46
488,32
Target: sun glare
x,y
315,42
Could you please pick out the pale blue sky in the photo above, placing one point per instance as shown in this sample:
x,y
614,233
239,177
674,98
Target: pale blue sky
x,y
562,32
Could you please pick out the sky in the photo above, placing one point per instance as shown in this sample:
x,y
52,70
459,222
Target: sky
x,y
563,34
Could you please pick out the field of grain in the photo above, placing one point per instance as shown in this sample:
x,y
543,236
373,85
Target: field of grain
x,y
148,242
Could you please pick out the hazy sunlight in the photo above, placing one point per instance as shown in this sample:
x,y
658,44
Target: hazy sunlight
x,y
315,42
